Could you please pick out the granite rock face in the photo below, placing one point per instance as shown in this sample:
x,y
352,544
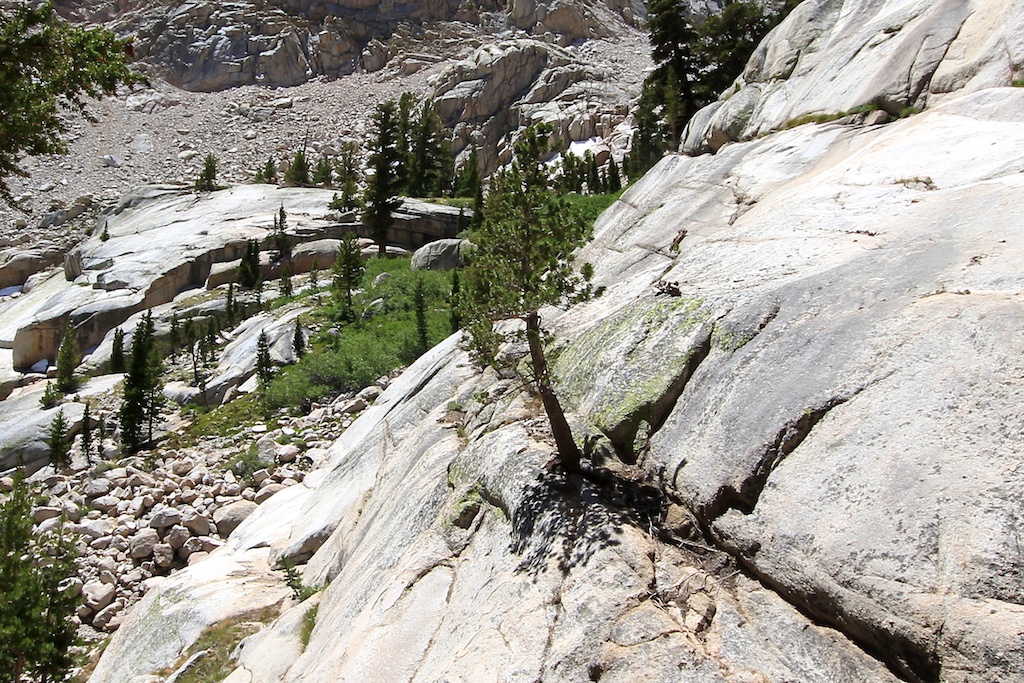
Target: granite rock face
x,y
832,56
799,393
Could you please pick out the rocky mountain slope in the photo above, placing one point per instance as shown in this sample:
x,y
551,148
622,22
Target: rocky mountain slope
x,y
799,393
247,81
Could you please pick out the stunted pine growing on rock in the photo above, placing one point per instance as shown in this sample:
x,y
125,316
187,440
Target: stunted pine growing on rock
x,y
524,262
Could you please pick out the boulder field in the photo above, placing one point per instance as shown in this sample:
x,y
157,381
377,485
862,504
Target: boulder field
x,y
799,393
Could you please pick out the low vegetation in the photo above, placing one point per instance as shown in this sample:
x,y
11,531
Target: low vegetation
x,y
352,350
217,643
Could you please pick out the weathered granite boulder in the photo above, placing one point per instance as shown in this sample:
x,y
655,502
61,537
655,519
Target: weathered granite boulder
x,y
444,254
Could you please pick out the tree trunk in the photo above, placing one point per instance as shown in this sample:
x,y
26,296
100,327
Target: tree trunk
x,y
568,452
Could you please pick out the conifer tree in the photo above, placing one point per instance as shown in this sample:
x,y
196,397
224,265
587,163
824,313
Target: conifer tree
x,y
264,365
298,172
469,176
268,172
455,303
593,177
281,241
117,351
348,271
323,173
174,336
47,69
430,157
57,442
207,181
419,302
314,274
348,176
286,281
36,631
403,137
86,433
382,188
614,179
211,339
249,267
522,263
139,404
67,360
298,340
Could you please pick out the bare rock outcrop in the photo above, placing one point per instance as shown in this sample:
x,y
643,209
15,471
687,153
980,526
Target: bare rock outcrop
x,y
832,56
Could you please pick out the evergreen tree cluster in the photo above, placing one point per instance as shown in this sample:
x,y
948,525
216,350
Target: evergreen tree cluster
x,y
577,174
697,59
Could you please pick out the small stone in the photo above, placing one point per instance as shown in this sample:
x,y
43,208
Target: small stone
x,y
164,517
163,555
176,536
266,492
97,594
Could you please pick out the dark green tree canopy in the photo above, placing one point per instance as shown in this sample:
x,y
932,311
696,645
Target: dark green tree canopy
x,y
48,67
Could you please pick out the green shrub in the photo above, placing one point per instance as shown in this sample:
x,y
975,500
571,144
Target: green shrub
x,y
308,624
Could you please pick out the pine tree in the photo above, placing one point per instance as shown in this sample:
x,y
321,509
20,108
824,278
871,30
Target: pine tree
x,y
207,181
57,442
469,176
286,281
455,303
117,351
298,172
323,174
67,361
314,274
430,158
249,266
593,177
348,176
211,339
138,404
298,340
522,263
86,433
268,173
403,138
348,270
264,365
614,179
174,336
281,241
381,195
36,631
47,69
419,303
